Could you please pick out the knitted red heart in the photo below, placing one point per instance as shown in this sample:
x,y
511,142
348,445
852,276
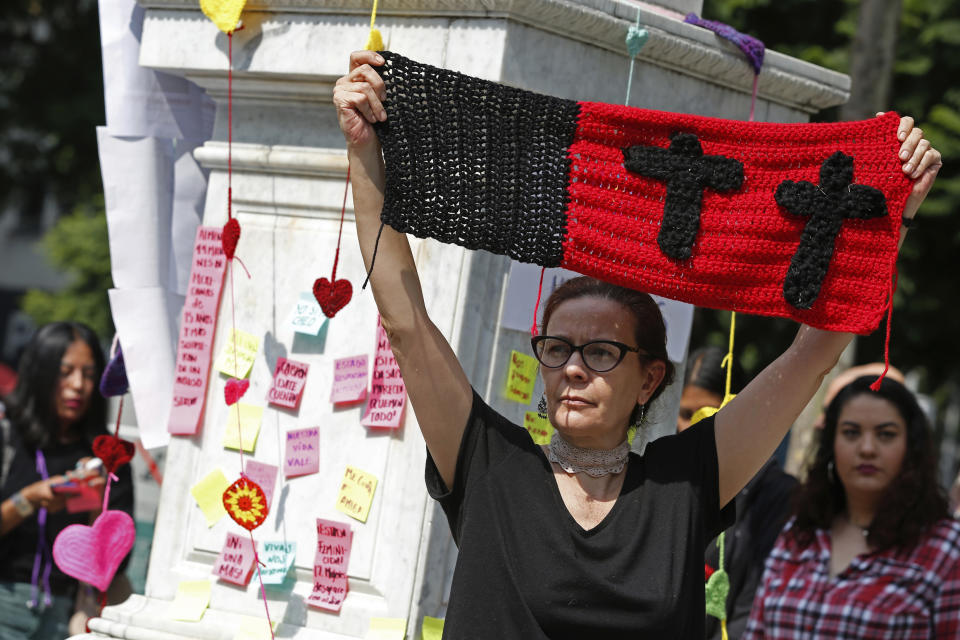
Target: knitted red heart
x,y
332,296
230,237
113,451
235,390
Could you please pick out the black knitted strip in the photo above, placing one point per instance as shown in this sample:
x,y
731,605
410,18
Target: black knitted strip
x,y
475,163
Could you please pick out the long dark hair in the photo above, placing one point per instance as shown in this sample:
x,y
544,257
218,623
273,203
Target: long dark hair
x,y
650,334
914,500
31,406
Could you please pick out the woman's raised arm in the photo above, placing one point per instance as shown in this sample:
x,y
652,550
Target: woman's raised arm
x,y
753,424
438,388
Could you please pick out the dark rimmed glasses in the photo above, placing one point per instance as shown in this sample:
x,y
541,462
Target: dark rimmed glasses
x,y
599,356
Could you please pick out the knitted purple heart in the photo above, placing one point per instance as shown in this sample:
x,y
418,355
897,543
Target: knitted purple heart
x,y
751,47
113,382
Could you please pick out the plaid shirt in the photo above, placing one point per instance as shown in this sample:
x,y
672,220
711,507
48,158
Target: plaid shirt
x,y
903,594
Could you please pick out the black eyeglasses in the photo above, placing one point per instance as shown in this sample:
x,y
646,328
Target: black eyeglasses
x,y
598,355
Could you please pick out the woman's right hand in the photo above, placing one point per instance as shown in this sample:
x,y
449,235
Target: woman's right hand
x,y
41,495
358,98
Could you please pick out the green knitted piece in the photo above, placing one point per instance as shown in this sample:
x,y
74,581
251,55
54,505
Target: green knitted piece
x,y
718,586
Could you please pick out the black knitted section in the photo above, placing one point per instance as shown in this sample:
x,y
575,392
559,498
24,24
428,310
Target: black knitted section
x,y
475,163
826,205
687,173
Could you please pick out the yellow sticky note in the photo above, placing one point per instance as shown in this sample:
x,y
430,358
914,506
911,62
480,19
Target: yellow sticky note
x,y
356,493
245,352
192,599
521,377
209,495
223,13
243,425
432,628
539,428
387,629
252,628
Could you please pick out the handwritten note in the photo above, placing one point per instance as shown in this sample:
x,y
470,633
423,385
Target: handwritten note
x,y
303,452
192,599
264,475
197,325
540,428
277,558
289,379
387,629
209,495
349,380
521,377
236,360
235,562
432,628
307,316
330,582
356,493
388,395
243,426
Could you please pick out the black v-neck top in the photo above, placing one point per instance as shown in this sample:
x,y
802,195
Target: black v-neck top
x,y
527,569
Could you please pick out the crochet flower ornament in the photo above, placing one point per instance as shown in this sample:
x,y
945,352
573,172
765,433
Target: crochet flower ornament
x,y
246,503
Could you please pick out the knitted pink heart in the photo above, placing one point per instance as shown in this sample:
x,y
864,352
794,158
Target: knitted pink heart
x,y
93,554
235,390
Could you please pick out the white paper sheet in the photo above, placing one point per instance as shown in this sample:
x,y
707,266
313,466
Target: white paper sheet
x,y
147,336
521,297
141,102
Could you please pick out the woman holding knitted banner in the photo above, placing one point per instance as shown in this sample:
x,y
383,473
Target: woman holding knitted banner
x,y
871,551
580,538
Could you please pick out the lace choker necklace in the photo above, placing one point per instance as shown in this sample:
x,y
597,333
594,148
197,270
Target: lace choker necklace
x,y
593,462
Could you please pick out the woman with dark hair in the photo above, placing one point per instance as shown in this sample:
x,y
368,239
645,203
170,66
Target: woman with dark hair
x,y
871,551
54,413
581,537
762,506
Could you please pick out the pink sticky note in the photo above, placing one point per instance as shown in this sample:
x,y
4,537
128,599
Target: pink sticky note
x,y
235,562
264,475
197,324
349,380
288,381
388,395
330,581
303,452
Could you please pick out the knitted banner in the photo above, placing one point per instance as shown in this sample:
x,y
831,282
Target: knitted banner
x,y
791,220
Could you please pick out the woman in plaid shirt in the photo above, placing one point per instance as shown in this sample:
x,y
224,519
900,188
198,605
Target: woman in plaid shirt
x,y
871,551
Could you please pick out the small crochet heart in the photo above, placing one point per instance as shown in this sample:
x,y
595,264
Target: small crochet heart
x,y
93,554
113,451
332,296
230,237
235,390
224,13
114,382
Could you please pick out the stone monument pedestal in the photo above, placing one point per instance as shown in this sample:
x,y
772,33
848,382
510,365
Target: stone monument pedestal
x,y
289,169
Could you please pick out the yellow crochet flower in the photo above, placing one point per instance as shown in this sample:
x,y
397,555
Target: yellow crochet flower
x,y
246,503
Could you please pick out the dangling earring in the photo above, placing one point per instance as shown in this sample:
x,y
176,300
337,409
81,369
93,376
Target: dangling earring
x,y
641,414
542,407
831,472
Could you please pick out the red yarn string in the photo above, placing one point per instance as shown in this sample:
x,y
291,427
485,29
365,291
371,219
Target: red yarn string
x,y
343,211
116,429
875,385
536,307
230,127
263,589
151,463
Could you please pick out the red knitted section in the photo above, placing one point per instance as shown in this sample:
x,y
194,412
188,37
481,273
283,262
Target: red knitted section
x,y
745,240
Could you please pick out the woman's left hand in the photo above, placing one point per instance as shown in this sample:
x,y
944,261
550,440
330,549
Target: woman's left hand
x,y
921,162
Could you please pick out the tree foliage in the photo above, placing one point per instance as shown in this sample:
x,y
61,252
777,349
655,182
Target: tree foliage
x,y
78,245
927,64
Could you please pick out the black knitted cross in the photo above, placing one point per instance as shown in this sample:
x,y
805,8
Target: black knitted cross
x,y
687,173
826,205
